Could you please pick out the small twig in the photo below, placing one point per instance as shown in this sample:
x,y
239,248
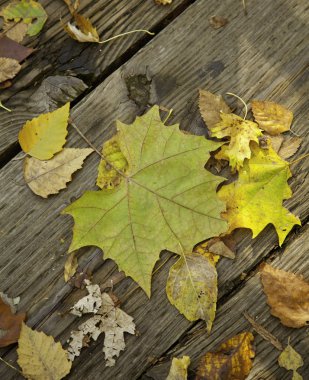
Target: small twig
x,y
243,102
265,334
125,34
5,108
10,365
299,159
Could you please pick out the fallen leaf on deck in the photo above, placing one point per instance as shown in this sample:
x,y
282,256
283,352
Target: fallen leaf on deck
x,y
163,2
8,68
83,31
179,369
40,357
70,266
10,323
15,32
233,360
90,303
289,147
49,177
108,319
12,49
219,246
291,360
272,117
31,12
109,167
211,106
192,285
218,22
275,141
45,135
287,295
166,197
241,133
255,199
73,5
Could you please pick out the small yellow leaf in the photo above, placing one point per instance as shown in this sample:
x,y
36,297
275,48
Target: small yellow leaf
x,y
45,135
211,106
83,31
108,176
70,266
49,177
15,32
8,68
179,369
40,357
272,117
241,133
233,359
291,360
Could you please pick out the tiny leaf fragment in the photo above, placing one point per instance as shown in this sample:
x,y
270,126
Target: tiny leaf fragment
x,y
291,360
70,266
179,369
9,68
211,106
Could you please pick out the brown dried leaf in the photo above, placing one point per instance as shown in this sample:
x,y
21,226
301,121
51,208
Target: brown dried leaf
x,y
211,107
287,295
272,117
233,360
12,49
10,324
83,31
8,68
219,247
289,147
218,22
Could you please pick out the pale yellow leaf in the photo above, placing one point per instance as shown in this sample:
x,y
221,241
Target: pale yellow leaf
x,y
40,357
8,68
211,107
179,369
49,177
45,135
15,32
291,360
70,266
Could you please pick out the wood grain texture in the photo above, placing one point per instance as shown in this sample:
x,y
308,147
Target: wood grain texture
x,y
187,55
57,54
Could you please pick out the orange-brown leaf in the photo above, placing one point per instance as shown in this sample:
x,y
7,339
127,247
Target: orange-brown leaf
x,y
232,361
10,324
287,295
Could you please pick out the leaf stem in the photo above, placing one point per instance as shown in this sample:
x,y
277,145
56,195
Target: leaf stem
x,y
299,159
5,108
168,115
126,33
10,365
243,102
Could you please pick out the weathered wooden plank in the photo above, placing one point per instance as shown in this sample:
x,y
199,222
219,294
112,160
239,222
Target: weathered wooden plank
x,y
58,54
32,236
230,321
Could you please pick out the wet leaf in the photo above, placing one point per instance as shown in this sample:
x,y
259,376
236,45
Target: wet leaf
x,y
83,31
29,11
179,369
211,106
233,360
10,323
49,177
8,68
287,295
291,360
192,285
40,357
272,117
255,200
160,199
109,168
45,135
218,22
241,132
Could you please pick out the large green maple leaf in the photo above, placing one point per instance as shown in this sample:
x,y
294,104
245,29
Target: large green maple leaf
x,y
165,200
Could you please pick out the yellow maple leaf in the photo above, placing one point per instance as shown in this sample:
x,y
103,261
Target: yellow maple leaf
x,y
45,135
272,117
255,200
179,369
233,358
241,132
40,357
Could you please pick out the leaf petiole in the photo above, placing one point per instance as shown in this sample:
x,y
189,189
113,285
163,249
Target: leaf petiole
x,y
126,33
243,102
5,108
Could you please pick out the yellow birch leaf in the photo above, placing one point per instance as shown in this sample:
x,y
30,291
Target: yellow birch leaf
x,y
241,133
192,285
70,266
84,31
272,117
255,199
291,360
9,67
40,357
179,369
211,106
108,176
49,177
45,135
233,360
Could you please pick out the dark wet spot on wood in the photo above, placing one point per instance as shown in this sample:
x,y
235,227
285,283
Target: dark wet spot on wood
x,y
139,90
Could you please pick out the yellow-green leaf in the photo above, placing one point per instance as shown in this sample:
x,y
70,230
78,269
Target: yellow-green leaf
x,y
40,357
255,199
179,369
240,132
49,177
29,11
109,168
45,135
192,285
166,200
291,360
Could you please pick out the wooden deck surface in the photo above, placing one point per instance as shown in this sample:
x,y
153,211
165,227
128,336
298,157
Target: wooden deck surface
x,y
261,55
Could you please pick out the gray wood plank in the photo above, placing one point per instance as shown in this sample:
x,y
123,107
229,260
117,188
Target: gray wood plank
x,y
58,54
230,321
33,256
